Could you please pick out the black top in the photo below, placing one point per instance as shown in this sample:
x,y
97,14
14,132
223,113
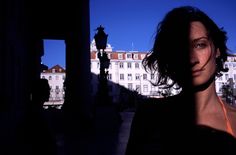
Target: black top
x,y
167,126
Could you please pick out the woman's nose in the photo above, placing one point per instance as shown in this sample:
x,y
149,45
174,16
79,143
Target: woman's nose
x,y
193,59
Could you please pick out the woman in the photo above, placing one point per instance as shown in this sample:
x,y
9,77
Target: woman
x,y
189,50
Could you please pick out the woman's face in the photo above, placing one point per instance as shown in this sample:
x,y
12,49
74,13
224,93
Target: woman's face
x,y
202,54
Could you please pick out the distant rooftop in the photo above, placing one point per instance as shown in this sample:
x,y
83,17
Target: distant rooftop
x,y
55,69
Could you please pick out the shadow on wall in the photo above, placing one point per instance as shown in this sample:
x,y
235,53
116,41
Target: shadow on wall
x,y
123,98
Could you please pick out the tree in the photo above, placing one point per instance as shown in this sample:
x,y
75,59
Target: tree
x,y
227,93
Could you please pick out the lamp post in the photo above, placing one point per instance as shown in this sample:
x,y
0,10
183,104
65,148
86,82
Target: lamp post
x,y
101,42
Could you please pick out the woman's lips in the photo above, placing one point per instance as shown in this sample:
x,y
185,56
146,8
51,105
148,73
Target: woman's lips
x,y
196,72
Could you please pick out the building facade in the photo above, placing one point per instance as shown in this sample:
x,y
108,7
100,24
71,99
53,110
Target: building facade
x,y
56,77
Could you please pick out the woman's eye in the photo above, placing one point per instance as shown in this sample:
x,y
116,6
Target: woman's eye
x,y
200,45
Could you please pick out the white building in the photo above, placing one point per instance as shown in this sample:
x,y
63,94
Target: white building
x,y
231,74
55,76
125,70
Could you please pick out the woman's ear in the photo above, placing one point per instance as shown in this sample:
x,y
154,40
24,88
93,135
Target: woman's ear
x,y
217,52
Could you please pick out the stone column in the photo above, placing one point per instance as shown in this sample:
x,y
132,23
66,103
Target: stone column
x,y
77,96
17,52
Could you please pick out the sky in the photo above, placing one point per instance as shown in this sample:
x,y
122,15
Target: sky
x,y
131,24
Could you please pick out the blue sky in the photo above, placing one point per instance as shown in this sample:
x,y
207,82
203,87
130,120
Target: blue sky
x,y
130,24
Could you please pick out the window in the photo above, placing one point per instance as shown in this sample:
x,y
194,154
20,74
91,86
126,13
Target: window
x,y
130,86
53,70
137,77
63,77
143,56
121,76
109,77
50,77
136,65
57,90
135,56
145,88
43,77
152,76
137,88
129,55
98,65
120,56
234,77
226,76
110,65
57,77
121,65
129,65
109,55
129,77
145,76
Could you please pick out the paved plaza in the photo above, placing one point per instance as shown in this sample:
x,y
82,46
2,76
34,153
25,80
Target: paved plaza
x,y
107,136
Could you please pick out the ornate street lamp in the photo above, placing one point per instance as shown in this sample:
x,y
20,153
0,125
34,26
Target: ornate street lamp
x,y
101,43
100,38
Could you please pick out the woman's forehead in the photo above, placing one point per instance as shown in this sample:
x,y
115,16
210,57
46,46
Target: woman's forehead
x,y
197,31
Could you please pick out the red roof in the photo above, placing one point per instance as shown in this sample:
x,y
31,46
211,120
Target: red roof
x,y
55,69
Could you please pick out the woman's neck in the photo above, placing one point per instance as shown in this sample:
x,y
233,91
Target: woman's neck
x,y
209,110
205,100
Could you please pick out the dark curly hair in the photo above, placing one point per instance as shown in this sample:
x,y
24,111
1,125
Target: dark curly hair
x,y
169,57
